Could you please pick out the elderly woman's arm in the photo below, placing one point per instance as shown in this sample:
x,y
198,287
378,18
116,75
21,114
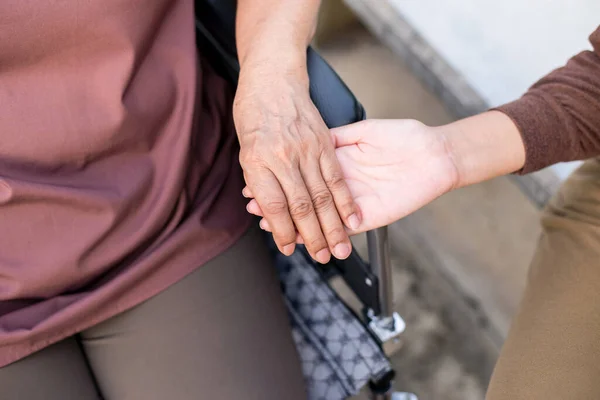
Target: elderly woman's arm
x,y
287,153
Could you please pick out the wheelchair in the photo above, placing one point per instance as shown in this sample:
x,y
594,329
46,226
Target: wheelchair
x,y
371,282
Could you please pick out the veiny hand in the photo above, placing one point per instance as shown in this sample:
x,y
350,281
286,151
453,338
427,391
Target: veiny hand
x,y
289,162
392,167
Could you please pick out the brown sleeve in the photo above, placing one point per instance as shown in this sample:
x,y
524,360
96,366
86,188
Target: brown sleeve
x,y
559,116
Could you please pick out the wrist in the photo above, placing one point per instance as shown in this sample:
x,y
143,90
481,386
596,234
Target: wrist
x,y
482,147
276,46
272,36
271,65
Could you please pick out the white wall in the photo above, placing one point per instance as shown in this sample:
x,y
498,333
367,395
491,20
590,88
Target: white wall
x,y
502,47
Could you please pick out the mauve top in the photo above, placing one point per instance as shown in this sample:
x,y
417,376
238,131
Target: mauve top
x,y
118,162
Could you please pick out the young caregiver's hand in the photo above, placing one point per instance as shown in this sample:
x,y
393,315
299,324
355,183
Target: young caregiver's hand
x,y
392,167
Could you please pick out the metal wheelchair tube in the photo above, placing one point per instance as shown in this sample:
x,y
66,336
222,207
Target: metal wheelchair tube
x,y
395,396
379,258
388,325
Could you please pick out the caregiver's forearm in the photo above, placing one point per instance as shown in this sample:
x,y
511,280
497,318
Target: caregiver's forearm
x,y
558,119
483,147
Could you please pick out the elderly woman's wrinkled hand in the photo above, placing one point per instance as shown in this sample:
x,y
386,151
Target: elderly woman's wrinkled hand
x,y
289,162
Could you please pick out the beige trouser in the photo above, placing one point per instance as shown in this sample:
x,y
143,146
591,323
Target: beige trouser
x,y
221,333
553,348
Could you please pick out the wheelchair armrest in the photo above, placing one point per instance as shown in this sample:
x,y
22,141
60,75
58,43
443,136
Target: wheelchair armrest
x,y
333,99
215,23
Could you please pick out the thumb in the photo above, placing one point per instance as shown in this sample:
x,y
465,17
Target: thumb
x,y
349,135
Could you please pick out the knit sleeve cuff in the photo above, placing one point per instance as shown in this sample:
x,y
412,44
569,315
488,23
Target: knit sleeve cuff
x,y
542,130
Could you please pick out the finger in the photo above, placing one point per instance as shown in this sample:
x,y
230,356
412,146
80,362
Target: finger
x,y
273,203
336,184
253,208
325,209
303,214
349,135
247,193
264,225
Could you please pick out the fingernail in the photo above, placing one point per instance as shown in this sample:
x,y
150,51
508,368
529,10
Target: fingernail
x,y
288,249
354,222
323,256
341,251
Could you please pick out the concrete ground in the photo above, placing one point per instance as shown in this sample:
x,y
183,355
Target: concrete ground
x,y
460,262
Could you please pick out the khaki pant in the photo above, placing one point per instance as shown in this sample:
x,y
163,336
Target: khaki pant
x,y
221,333
553,348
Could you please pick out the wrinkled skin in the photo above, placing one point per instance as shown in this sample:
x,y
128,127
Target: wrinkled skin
x,y
289,162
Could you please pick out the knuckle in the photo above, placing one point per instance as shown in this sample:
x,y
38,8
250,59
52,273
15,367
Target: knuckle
x,y
306,148
284,154
337,232
284,238
250,159
336,182
276,207
301,208
323,200
317,244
